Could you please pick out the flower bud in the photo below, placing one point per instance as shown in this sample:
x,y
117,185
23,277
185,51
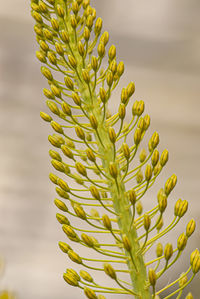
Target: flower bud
x,y
126,151
45,116
95,193
148,172
182,280
59,49
160,223
196,265
113,170
146,122
152,277
67,152
147,222
58,165
159,250
57,127
137,136
164,158
112,52
55,24
140,124
75,7
63,185
132,196
109,78
93,121
124,95
189,296
139,177
41,57
37,17
180,208
86,76
155,157
81,168
53,178
55,155
72,61
64,36
49,94
168,251
61,205
78,209
104,38
52,57
142,155
62,193
120,68
55,141
80,133
181,242
98,26
47,73
70,233
106,222
154,141
78,179
139,208
190,228
131,89
53,107
69,83
86,34
126,242
74,257
122,111
112,134
87,240
86,276
162,203
90,154
64,247
60,11
90,293
73,21
193,255
110,271
62,219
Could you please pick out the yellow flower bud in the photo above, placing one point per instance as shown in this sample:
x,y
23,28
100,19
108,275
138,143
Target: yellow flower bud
x,y
62,193
181,242
126,242
72,61
131,89
44,46
47,34
164,158
162,203
72,272
180,208
126,150
193,255
48,94
154,141
70,233
93,121
113,67
80,133
140,124
86,76
60,11
86,276
108,269
155,157
148,172
81,168
159,250
132,196
35,7
53,178
86,33
90,293
122,111
45,116
59,49
147,222
64,247
196,264
95,193
74,257
75,7
182,280
112,134
109,78
55,141
94,213
189,296
37,17
55,155
63,185
47,73
55,24
190,228
168,251
104,38
41,57
142,155
62,219
101,50
70,279
120,68
89,22
67,152
73,21
113,170
64,36
79,211
94,63
61,205
124,96
52,57
98,26
160,223
90,154
137,136
112,52
87,240
139,208
152,277
58,165
102,94
106,222
146,122
57,127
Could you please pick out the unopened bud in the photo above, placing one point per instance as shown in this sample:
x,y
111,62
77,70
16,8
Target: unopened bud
x,y
93,121
113,170
106,222
159,250
164,158
104,38
120,68
81,168
155,157
90,294
190,228
126,242
64,36
87,240
72,61
112,52
152,277
131,89
189,296
80,133
180,208
137,136
112,134
148,172
74,257
61,205
181,242
139,208
86,276
147,222
64,247
98,26
45,116
102,94
122,111
168,251
52,57
110,271
124,95
142,155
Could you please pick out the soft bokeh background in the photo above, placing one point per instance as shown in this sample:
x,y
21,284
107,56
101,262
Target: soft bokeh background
x,y
159,42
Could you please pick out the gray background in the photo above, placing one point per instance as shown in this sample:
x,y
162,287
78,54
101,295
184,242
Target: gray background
x,y
158,41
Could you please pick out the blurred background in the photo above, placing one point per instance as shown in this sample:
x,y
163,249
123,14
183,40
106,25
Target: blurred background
x,y
159,43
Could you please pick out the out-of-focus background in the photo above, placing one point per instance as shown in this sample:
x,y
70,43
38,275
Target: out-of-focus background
x,y
159,43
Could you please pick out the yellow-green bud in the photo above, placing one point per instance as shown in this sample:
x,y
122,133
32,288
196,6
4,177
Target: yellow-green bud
x,y
81,168
148,172
122,111
86,33
52,57
79,211
73,21
113,66
64,247
113,170
72,61
153,141
86,76
57,127
75,7
86,276
62,193
48,94
59,49
112,134
109,78
89,22
94,213
53,178
106,222
55,141
35,7
140,124
137,136
181,242
80,133
58,165
47,34
130,89
63,185
104,38
112,52
196,264
55,155
60,11
120,68
74,257
168,251
61,205
98,26
110,271
152,277
124,95
87,240
47,73
126,242
44,46
41,57
78,179
180,208
72,272
142,155
102,94
93,121
147,222
160,223
164,158
95,193
155,157
126,150
62,219
139,208
94,63
37,17
132,196
90,293
193,255
67,152
101,50
55,24
81,49
146,122
64,36
90,154
162,203
189,296
70,233
76,98
190,228
159,250
45,116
